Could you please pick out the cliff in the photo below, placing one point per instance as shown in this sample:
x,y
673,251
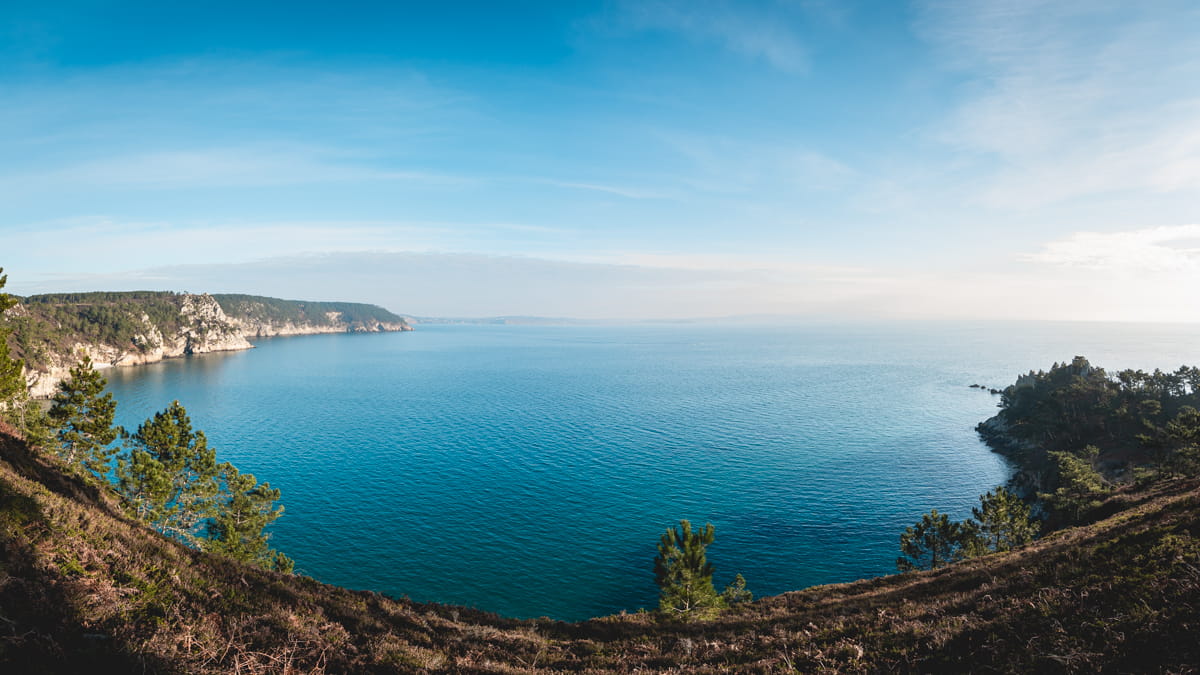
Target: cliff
x,y
83,588
258,316
51,332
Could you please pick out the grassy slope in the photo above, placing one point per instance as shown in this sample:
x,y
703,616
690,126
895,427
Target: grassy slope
x,y
82,588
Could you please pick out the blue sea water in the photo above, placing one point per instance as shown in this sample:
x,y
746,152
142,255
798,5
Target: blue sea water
x,y
531,470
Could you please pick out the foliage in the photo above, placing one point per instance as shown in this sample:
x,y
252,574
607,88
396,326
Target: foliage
x,y
1075,405
274,310
682,571
1076,432
1001,522
170,478
53,323
736,592
83,418
166,450
12,384
143,482
246,508
1080,487
935,541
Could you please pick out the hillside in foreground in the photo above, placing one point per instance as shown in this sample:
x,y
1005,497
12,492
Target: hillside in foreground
x,y
83,588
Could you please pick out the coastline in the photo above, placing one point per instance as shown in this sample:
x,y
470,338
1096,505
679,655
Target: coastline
x,y
43,383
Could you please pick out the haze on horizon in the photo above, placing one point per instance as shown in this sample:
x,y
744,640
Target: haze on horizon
x,y
1006,159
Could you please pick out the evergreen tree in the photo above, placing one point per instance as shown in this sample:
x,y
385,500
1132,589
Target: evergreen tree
x,y
143,482
1182,457
934,542
1080,486
1001,523
185,461
83,419
12,383
736,592
237,528
682,571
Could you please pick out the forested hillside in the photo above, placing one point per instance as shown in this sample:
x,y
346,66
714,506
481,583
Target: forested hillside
x,y
350,315
49,333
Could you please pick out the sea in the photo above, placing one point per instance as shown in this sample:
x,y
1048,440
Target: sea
x,y
529,470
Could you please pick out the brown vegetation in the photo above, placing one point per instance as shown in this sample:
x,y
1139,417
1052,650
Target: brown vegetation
x,y
85,589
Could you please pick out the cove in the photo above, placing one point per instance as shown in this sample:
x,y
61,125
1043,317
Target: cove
x,y
529,470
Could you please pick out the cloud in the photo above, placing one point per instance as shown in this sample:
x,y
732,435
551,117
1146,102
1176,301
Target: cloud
x,y
734,27
731,165
1073,98
248,166
646,286
1155,250
50,251
619,190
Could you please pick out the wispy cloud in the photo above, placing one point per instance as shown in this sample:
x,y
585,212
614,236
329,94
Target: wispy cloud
x,y
1073,98
755,31
733,165
247,166
619,190
1153,249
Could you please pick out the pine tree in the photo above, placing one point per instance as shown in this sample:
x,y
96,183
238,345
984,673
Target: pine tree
x,y
933,542
83,419
237,528
682,571
1001,523
736,592
188,465
12,383
145,485
1080,486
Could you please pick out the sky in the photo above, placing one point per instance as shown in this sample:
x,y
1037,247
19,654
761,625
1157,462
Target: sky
x,y
934,159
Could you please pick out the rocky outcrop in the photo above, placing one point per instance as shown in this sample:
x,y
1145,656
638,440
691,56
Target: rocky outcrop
x,y
263,329
1027,458
200,327
203,328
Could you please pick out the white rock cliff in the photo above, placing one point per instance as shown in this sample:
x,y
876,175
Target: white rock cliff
x,y
204,327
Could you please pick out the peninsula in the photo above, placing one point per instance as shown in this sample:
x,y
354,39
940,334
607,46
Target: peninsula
x,y
50,332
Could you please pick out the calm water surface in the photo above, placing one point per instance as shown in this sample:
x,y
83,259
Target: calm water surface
x,y
530,470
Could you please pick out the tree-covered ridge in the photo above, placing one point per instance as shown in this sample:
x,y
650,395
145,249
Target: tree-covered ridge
x,y
1075,404
257,308
53,323
1076,432
46,328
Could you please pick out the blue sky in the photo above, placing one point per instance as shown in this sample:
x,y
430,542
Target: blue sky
x,y
949,159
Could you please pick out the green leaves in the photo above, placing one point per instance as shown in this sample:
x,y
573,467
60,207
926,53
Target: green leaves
x,y
933,542
145,484
1080,487
682,571
11,382
171,479
684,575
166,448
1002,522
83,417
247,507
736,592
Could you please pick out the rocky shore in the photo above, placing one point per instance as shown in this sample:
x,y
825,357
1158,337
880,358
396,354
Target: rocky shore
x,y
201,327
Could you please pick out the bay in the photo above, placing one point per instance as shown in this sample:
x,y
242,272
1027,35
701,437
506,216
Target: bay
x,y
529,470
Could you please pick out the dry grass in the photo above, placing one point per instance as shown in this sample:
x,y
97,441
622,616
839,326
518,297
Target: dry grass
x,y
85,589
